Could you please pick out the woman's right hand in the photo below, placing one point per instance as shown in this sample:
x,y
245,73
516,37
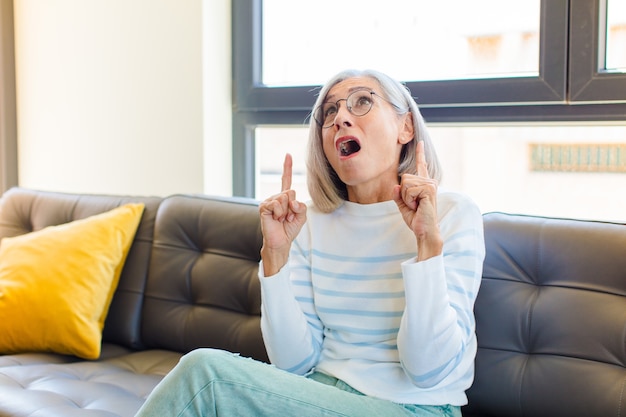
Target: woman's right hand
x,y
282,217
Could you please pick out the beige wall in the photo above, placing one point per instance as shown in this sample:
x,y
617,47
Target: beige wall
x,y
110,95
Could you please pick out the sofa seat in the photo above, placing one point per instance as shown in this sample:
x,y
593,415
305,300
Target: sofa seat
x,y
109,350
56,385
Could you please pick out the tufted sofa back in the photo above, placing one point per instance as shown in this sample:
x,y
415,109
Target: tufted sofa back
x,y
551,319
203,288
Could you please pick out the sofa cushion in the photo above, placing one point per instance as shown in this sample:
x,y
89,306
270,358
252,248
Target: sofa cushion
x,y
23,211
56,284
551,319
203,289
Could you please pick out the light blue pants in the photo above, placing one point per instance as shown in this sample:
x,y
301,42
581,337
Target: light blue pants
x,y
209,382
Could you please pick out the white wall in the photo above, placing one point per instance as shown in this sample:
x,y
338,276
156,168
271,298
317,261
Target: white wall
x,y
110,96
218,137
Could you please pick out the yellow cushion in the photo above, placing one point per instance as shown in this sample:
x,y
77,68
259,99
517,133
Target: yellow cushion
x,y
56,284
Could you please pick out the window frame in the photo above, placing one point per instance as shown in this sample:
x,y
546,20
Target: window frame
x,y
548,87
589,82
569,86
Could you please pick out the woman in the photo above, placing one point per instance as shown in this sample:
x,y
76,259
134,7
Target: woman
x,y
367,291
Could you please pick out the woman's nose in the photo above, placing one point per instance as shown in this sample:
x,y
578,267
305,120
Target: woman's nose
x,y
343,116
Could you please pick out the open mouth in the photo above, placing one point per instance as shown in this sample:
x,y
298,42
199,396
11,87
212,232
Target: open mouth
x,y
349,147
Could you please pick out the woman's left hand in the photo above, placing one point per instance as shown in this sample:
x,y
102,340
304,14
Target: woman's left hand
x,y
416,197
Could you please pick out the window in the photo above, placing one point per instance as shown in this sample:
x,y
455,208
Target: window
x,y
468,45
592,42
488,120
556,169
542,81
615,53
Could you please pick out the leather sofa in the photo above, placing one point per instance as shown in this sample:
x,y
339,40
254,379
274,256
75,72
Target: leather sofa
x,y
551,311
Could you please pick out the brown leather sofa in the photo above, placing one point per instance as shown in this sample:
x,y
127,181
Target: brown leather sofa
x,y
551,312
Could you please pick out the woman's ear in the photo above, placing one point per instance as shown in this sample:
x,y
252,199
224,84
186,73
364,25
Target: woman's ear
x,y
407,131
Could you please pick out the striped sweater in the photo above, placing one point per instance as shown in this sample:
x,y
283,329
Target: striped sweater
x,y
354,303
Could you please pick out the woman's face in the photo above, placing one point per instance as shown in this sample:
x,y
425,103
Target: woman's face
x,y
365,150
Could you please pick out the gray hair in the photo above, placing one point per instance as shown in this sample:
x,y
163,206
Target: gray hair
x,y
325,187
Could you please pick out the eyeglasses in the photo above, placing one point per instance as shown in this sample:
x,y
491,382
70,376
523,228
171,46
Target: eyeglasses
x,y
358,103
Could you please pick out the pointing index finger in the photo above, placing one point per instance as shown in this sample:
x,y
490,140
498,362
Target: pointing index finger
x,y
420,160
287,173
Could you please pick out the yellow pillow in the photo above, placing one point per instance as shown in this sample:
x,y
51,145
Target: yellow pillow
x,y
56,284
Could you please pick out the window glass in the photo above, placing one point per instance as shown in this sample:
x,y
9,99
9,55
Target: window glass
x,y
272,143
563,170
616,35
407,39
